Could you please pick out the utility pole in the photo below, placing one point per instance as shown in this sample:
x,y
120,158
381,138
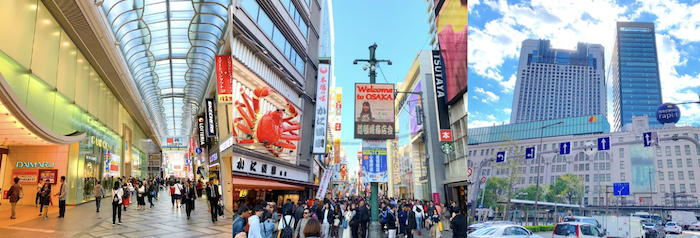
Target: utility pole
x,y
375,228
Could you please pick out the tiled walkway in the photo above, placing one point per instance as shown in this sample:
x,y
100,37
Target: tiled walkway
x,y
82,221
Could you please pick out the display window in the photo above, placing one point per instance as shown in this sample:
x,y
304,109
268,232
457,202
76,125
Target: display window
x,y
98,158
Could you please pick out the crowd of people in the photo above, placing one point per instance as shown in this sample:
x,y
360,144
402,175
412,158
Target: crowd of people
x,y
347,218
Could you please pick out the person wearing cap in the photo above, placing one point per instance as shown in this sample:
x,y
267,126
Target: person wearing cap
x,y
254,221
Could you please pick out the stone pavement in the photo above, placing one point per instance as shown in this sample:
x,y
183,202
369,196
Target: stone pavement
x,y
82,221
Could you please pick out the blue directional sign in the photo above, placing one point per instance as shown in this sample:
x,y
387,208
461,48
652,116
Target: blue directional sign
x,y
199,151
501,156
481,206
650,139
621,189
604,143
565,148
530,153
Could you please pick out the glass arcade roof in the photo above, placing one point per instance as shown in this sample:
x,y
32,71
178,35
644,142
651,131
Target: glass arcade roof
x,y
169,47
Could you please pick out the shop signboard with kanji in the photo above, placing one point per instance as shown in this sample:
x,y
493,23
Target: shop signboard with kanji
x,y
374,161
321,112
223,79
374,111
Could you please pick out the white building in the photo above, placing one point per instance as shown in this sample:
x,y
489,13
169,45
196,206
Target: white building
x,y
559,83
676,164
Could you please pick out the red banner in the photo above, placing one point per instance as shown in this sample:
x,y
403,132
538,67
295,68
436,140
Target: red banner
x,y
223,78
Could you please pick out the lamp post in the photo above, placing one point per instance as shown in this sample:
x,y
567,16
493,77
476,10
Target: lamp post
x,y
651,200
539,163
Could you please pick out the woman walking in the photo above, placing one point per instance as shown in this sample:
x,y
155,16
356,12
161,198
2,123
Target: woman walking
x,y
117,196
45,199
312,229
446,215
127,195
349,214
140,197
267,228
337,219
433,221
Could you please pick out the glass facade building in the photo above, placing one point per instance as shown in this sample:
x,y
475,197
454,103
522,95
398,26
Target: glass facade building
x,y
635,74
529,130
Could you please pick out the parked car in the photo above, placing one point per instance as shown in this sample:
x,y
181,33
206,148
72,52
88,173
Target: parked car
x,y
500,230
589,220
577,229
673,227
480,225
654,230
695,226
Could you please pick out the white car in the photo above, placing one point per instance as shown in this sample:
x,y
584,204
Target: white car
x,y
672,227
576,229
695,226
510,231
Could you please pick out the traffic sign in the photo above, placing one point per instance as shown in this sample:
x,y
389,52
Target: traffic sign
x,y
481,206
530,153
199,151
501,156
469,172
565,148
650,138
621,189
604,143
483,179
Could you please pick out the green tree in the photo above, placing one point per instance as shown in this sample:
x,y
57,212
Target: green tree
x,y
567,189
529,192
494,186
511,168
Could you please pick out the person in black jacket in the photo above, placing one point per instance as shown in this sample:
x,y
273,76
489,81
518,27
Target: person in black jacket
x,y
459,225
410,221
326,219
355,221
391,220
188,197
213,197
363,214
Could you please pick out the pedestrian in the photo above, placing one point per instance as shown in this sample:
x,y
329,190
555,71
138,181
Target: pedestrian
x,y
152,193
141,197
337,218
434,221
402,218
172,192
117,199
14,194
239,220
355,221
363,214
459,225
45,199
188,199
312,229
299,213
302,223
178,194
349,214
410,222
213,197
200,187
326,217
268,227
418,211
254,221
446,215
39,185
289,205
127,194
99,194
62,196
391,221
286,225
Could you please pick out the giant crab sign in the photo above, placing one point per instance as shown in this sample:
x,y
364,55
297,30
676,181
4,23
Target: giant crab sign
x,y
272,130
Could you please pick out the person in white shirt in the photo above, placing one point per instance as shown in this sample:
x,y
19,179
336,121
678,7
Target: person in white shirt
x,y
117,193
178,194
418,210
254,222
287,219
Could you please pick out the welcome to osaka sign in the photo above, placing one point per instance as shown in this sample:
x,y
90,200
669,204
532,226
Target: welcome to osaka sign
x,y
374,111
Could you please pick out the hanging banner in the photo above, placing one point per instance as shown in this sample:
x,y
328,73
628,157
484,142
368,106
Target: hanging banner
x,y
174,143
224,84
200,130
444,130
321,113
374,162
323,186
211,125
374,111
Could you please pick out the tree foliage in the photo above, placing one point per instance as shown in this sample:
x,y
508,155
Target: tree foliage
x,y
494,185
530,193
567,189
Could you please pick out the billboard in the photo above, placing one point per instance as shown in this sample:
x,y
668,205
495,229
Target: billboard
x,y
321,113
374,162
642,164
451,21
174,143
374,111
413,102
224,73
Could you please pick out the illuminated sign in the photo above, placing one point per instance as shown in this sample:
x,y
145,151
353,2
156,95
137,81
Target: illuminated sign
x,y
202,137
223,78
211,126
20,165
321,112
374,111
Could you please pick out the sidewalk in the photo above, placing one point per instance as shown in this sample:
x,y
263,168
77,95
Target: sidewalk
x,y
25,213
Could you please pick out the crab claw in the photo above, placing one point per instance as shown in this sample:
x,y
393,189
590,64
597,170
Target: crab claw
x,y
262,92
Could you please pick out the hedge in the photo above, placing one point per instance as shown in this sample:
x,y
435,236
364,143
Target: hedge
x,y
533,228
540,228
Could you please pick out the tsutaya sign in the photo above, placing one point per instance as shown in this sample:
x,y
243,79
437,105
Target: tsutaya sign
x,y
20,165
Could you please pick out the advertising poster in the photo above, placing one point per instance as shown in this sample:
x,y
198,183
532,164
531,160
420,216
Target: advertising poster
x,y
26,176
224,73
413,102
374,111
374,161
114,163
174,143
321,113
323,186
642,163
451,21
50,174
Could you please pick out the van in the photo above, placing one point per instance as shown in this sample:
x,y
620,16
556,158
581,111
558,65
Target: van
x,y
576,229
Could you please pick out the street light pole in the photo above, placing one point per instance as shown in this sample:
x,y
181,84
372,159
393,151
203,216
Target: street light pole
x,y
539,164
651,197
374,227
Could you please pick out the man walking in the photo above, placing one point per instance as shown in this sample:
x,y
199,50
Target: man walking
x,y
213,197
14,194
459,224
99,194
363,215
410,221
189,198
62,196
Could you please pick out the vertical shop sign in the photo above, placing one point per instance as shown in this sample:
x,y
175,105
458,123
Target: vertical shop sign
x,y
451,21
323,186
321,113
374,162
211,126
223,78
200,129
445,132
374,111
339,100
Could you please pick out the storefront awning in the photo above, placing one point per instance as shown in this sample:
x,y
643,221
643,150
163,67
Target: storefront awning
x,y
248,183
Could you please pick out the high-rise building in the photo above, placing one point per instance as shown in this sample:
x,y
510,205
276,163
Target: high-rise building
x,y
559,83
635,73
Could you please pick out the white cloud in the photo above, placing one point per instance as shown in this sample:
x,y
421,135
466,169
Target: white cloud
x,y
679,19
509,85
482,123
490,96
471,4
507,110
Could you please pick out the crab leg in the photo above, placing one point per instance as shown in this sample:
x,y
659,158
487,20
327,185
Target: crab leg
x,y
246,100
243,114
273,151
290,137
243,128
290,128
285,145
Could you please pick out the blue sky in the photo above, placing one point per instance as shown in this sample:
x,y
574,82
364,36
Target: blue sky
x,y
400,29
497,29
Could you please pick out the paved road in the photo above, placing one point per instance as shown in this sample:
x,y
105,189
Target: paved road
x,y
685,234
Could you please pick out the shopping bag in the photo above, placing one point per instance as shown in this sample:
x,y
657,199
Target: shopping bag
x,y
440,225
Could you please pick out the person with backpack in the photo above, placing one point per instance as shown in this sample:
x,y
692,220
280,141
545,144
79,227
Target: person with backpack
x,y
459,224
418,211
286,225
117,196
178,193
15,193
